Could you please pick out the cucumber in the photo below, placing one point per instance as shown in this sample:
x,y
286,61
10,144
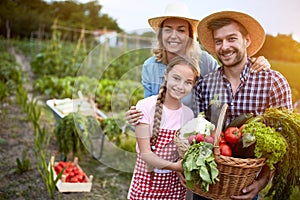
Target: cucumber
x,y
239,120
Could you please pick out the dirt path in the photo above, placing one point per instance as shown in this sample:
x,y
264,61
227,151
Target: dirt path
x,y
24,63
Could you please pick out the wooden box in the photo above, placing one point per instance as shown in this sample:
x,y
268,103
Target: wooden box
x,y
63,186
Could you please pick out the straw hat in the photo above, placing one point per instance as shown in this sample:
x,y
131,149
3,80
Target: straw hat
x,y
253,27
174,10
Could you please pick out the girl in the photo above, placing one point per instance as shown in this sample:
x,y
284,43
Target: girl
x,y
157,162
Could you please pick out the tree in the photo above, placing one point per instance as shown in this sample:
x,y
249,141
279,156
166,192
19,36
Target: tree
x,y
26,16
282,47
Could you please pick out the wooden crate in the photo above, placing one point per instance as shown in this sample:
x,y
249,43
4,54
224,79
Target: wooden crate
x,y
63,186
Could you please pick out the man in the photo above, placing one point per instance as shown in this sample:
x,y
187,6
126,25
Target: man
x,y
233,37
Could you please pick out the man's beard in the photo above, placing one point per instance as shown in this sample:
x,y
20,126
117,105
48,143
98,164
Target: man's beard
x,y
239,57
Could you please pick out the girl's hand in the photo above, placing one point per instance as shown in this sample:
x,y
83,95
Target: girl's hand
x,y
260,63
178,166
133,116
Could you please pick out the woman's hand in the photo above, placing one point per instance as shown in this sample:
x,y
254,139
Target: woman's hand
x,y
260,63
133,116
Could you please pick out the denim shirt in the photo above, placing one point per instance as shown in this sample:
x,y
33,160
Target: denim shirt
x,y
153,75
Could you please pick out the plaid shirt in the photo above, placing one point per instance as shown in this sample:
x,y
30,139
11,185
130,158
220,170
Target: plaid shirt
x,y
256,92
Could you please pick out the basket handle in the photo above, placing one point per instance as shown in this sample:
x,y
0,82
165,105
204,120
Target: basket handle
x,y
220,123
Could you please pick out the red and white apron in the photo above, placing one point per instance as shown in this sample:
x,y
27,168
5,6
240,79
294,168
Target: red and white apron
x,y
162,184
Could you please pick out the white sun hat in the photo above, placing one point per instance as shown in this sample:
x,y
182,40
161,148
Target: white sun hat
x,y
174,10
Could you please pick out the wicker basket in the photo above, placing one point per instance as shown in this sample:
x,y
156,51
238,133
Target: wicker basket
x,y
234,173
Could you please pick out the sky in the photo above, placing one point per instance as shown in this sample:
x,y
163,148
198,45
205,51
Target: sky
x,y
276,16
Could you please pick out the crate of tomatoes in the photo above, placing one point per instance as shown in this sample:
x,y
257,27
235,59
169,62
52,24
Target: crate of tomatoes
x,y
73,178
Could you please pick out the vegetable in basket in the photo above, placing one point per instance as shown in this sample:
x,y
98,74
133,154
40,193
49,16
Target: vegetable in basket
x,y
199,165
186,136
287,174
195,140
269,143
197,125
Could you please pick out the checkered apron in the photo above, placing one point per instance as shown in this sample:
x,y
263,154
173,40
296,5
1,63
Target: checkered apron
x,y
162,184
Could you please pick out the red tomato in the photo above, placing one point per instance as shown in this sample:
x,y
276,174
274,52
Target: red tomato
x,y
74,179
68,170
67,177
69,164
82,177
232,135
62,164
57,169
225,150
76,170
222,140
71,174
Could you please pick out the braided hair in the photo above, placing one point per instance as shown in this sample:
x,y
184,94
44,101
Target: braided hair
x,y
193,64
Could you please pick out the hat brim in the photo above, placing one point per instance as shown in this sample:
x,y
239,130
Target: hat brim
x,y
255,30
156,22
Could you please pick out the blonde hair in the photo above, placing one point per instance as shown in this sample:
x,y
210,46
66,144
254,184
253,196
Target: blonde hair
x,y
192,49
193,64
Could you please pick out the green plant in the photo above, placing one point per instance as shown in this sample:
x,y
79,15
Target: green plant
x,y
112,95
122,65
59,58
112,129
55,87
24,164
4,91
10,75
71,132
41,141
128,143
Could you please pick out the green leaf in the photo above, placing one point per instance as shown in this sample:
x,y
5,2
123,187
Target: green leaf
x,y
204,174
